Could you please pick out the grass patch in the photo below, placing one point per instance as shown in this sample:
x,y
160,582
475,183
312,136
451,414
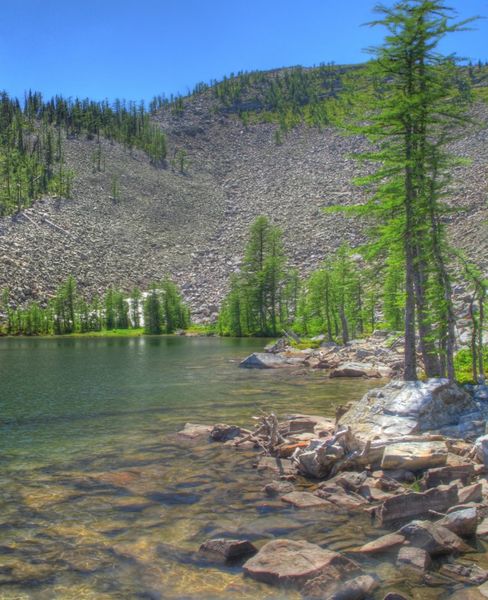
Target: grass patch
x,y
109,333
200,329
305,344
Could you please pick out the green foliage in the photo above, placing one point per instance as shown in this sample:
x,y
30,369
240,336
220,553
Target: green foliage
x,y
261,296
68,313
164,309
287,96
32,160
411,109
337,299
463,362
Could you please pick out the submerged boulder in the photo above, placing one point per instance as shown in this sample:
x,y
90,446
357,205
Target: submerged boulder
x,y
194,430
227,550
294,562
358,588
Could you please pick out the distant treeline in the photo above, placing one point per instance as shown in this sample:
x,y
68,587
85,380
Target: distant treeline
x,y
161,310
304,95
32,161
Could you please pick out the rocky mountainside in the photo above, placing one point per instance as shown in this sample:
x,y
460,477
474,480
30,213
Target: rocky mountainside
x,y
192,225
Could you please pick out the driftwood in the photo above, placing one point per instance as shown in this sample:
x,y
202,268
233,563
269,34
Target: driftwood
x,y
266,435
50,223
30,220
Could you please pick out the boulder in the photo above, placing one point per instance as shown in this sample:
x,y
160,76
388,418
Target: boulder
x,y
194,430
413,557
224,433
383,544
482,529
294,562
280,467
342,499
407,407
413,504
264,360
445,475
355,369
301,425
481,448
304,500
350,481
227,550
279,345
433,538
414,456
461,522
358,588
470,493
471,574
277,488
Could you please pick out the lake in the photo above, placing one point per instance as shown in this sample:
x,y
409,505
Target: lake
x,y
101,499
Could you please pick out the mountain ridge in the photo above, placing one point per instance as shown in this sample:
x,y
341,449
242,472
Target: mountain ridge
x,y
192,225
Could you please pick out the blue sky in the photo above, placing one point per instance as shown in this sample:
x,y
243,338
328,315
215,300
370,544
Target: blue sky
x,y
136,49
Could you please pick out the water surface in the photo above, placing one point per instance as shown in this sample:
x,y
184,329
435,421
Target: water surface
x,y
99,497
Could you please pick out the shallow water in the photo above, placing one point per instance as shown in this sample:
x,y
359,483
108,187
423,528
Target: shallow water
x,y
100,499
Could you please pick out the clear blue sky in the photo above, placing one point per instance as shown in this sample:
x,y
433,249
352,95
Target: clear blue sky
x,y
138,48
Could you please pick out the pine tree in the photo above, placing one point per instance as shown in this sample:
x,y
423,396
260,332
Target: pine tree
x,y
410,116
153,315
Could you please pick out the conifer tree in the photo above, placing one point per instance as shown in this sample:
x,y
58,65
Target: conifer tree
x,y
153,315
411,116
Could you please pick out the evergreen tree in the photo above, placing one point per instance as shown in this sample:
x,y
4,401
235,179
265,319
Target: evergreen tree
x,y
153,315
410,117
256,302
110,315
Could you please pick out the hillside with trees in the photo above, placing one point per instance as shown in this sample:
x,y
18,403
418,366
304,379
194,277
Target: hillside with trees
x,y
171,190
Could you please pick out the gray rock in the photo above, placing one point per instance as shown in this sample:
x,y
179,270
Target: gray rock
x,y
402,408
223,433
413,504
282,467
471,574
413,456
305,500
355,369
445,475
433,538
461,522
276,488
481,447
194,430
228,550
358,588
264,360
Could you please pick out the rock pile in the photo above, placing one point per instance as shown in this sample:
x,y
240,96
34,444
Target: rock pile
x,y
428,488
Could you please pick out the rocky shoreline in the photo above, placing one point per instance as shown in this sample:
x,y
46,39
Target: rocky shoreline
x,y
377,356
413,456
